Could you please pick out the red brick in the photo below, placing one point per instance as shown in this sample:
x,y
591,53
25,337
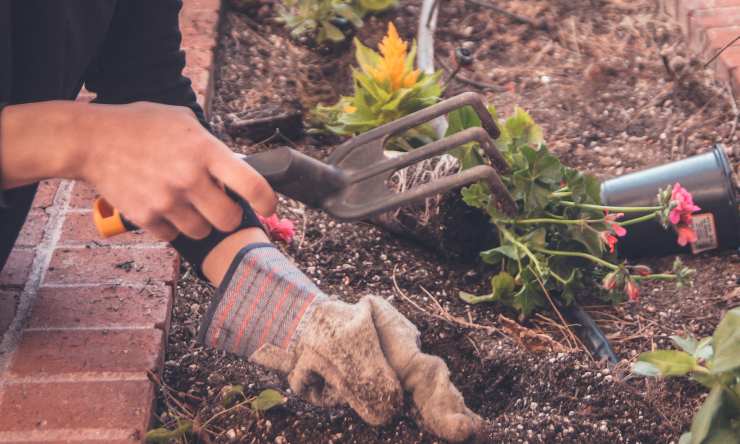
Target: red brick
x,y
44,353
79,229
8,306
35,408
728,62
45,193
17,268
701,20
682,9
199,28
83,195
100,307
33,228
112,265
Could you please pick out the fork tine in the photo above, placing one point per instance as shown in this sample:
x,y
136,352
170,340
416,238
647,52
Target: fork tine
x,y
392,200
432,149
474,100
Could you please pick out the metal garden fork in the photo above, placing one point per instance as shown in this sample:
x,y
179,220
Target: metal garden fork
x,y
353,183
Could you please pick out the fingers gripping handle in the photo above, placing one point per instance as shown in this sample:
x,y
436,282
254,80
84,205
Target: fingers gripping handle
x,y
289,172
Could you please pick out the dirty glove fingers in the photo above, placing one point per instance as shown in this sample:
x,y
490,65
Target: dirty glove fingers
x,y
341,346
441,406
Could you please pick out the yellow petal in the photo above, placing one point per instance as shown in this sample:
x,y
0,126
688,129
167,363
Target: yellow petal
x,y
411,78
349,109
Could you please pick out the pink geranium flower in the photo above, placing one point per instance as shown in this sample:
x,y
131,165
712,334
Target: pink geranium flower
x,y
281,229
683,205
608,239
610,219
686,235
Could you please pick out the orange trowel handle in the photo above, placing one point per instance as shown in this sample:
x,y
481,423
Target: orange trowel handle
x,y
108,220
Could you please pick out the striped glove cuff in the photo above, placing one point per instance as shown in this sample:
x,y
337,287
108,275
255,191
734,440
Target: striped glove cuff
x,y
262,299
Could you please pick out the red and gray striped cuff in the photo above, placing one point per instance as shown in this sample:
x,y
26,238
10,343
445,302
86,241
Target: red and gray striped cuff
x,y
262,299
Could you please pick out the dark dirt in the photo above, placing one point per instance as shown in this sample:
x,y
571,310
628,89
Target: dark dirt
x,y
594,79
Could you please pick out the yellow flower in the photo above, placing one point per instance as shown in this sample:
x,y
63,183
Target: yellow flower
x,y
392,65
349,109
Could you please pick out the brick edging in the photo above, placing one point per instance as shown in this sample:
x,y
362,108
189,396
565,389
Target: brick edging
x,y
710,25
92,315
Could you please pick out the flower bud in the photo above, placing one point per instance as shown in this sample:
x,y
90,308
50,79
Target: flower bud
x,y
632,290
610,281
642,270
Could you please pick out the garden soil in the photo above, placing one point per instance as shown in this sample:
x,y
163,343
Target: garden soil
x,y
615,91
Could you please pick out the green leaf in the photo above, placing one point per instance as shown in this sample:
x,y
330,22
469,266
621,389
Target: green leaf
x,y
461,119
645,369
476,195
528,299
232,394
588,238
163,435
708,416
377,5
366,57
685,438
350,13
704,349
670,362
331,32
687,344
726,342
535,239
266,400
494,255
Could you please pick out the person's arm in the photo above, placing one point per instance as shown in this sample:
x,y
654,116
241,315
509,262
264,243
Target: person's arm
x,y
154,162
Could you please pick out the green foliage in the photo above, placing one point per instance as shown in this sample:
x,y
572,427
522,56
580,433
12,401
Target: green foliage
x,y
320,16
556,243
163,435
713,362
266,400
386,87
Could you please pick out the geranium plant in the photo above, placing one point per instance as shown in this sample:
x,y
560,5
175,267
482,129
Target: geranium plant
x,y
322,16
714,362
562,238
386,87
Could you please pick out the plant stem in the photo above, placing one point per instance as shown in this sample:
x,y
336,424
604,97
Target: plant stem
x,y
561,193
590,257
609,208
511,238
656,277
547,220
637,220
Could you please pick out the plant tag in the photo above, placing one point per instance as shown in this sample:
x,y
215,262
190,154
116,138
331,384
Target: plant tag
x,y
706,233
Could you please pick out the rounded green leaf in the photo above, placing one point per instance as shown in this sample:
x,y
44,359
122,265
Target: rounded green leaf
x,y
266,400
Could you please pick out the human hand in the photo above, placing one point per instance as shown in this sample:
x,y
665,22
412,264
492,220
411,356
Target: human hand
x,y
363,355
161,168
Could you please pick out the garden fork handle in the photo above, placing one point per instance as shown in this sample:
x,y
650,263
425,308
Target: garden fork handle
x,y
288,172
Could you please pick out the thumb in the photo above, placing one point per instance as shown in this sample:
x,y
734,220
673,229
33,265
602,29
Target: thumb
x,y
274,358
441,406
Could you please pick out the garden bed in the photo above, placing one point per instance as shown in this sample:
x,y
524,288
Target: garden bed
x,y
592,75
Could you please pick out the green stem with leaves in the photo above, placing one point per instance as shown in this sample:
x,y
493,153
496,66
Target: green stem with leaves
x,y
568,203
580,254
637,220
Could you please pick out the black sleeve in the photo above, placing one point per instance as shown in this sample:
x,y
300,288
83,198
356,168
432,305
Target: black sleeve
x,y
2,199
141,59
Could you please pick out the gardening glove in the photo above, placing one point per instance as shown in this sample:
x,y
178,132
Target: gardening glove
x,y
332,352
